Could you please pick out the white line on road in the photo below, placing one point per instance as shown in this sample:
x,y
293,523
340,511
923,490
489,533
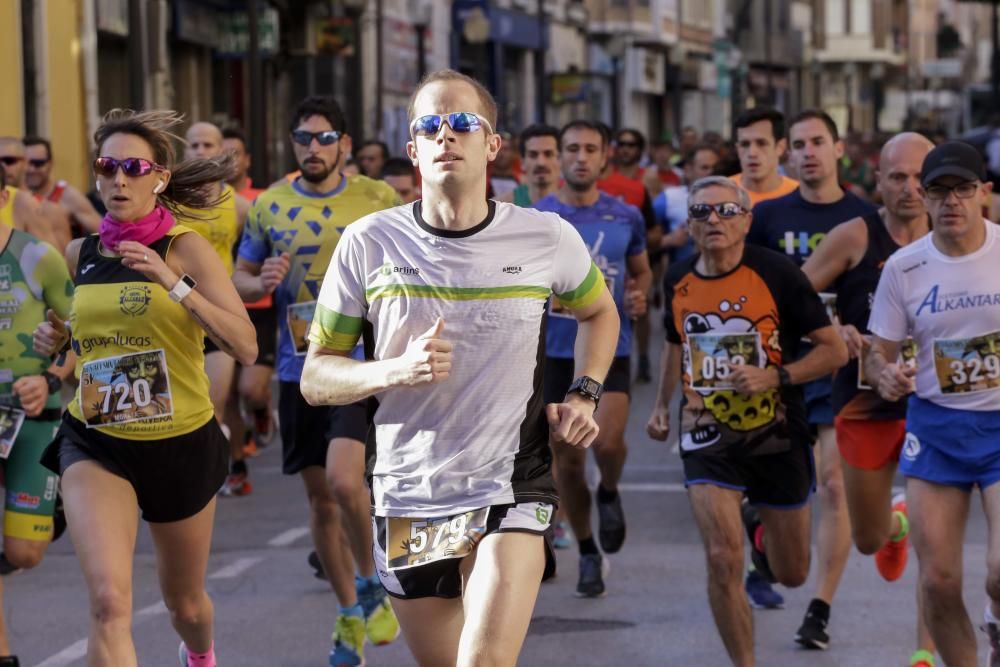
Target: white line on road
x,y
661,487
71,653
152,610
287,537
236,568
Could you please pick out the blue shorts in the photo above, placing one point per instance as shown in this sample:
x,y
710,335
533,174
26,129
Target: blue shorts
x,y
819,403
951,447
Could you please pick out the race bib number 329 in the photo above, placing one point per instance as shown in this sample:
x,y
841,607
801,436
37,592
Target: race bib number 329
x,y
968,364
413,541
128,388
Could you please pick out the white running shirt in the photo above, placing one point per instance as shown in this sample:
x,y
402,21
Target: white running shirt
x,y
479,438
951,307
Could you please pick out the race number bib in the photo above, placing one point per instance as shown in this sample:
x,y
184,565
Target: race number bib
x,y
299,317
11,420
128,388
412,541
968,364
907,357
712,357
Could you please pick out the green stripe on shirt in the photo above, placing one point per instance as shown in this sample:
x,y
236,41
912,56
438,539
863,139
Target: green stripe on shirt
x,y
588,291
457,293
334,330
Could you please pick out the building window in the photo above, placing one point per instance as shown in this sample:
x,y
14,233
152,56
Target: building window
x,y
835,17
861,17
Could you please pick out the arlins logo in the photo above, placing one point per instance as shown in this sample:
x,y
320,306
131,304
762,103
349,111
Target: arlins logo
x,y
388,269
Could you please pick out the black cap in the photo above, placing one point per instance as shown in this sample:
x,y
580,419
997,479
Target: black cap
x,y
953,158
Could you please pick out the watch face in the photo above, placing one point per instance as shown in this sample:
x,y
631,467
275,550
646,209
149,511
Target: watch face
x,y
591,386
189,281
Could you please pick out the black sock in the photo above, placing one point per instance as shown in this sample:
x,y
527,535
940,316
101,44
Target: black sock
x,y
605,496
588,546
236,468
9,661
819,609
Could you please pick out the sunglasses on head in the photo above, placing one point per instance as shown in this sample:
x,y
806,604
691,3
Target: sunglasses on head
x,y
10,160
130,166
726,210
305,137
38,163
459,121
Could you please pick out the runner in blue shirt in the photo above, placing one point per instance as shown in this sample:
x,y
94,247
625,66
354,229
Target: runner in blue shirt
x,y
615,233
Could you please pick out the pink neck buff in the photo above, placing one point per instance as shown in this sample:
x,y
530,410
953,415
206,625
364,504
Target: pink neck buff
x,y
145,230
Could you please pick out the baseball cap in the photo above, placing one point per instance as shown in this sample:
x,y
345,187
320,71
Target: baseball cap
x,y
953,158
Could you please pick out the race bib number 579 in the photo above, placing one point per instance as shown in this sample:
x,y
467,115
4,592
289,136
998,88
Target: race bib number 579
x,y
414,541
127,388
968,364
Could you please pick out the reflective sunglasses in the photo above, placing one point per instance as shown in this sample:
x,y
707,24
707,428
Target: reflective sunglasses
x,y
462,122
726,210
10,160
130,166
38,163
305,137
962,191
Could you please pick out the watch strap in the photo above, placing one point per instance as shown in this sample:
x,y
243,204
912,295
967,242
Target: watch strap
x,y
185,285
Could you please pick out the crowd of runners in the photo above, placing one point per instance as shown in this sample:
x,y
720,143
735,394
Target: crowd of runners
x,y
451,331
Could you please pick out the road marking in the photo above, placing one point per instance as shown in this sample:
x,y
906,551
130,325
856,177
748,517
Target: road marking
x,y
71,653
654,487
237,568
287,537
152,610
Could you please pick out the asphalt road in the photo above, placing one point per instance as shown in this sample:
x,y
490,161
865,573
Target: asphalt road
x,y
271,611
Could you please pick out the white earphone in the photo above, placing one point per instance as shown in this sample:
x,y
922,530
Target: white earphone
x,y
97,184
159,188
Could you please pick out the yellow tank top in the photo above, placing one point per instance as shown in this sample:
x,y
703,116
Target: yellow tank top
x,y
7,212
141,361
218,225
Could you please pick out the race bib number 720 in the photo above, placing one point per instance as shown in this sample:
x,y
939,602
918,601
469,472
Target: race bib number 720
x,y
968,364
127,388
413,541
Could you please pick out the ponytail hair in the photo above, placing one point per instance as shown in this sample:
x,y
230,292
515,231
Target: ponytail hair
x,y
189,180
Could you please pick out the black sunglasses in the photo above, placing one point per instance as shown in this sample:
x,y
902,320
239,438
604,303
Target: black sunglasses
x,y
305,137
38,163
10,160
726,210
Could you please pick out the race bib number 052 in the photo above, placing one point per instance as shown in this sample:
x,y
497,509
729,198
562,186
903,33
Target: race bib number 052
x,y
412,541
968,364
128,388
713,356
299,317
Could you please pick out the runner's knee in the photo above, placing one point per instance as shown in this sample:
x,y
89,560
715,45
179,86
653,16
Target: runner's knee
x,y
725,564
345,484
24,556
323,508
256,394
111,605
187,609
940,585
867,539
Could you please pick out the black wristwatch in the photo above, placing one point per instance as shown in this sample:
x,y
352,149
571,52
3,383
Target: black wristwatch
x,y
55,382
587,387
784,379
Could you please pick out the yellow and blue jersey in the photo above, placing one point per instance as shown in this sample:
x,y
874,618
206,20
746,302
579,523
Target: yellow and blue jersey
x,y
307,226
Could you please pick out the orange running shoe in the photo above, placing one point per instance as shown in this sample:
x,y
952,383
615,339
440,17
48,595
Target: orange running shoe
x,y
891,558
250,449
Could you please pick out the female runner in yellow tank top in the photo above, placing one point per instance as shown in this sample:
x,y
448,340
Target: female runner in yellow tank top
x,y
141,434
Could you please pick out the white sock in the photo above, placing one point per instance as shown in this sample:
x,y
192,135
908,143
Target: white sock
x,y
988,614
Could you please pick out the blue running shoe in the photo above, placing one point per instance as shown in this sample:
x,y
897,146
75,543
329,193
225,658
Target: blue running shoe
x,y
760,592
561,536
348,642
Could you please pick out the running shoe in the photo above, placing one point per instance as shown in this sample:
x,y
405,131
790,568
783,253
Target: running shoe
x,y
891,558
561,535
250,449
381,625
12,661
316,565
643,376
610,523
993,633
760,592
593,569
922,658
236,484
348,642
754,529
265,426
812,634
182,653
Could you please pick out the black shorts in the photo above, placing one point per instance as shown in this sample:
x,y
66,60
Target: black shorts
x,y
265,322
306,430
784,480
559,375
173,478
443,578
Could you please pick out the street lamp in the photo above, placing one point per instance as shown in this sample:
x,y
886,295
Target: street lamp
x,y
421,13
